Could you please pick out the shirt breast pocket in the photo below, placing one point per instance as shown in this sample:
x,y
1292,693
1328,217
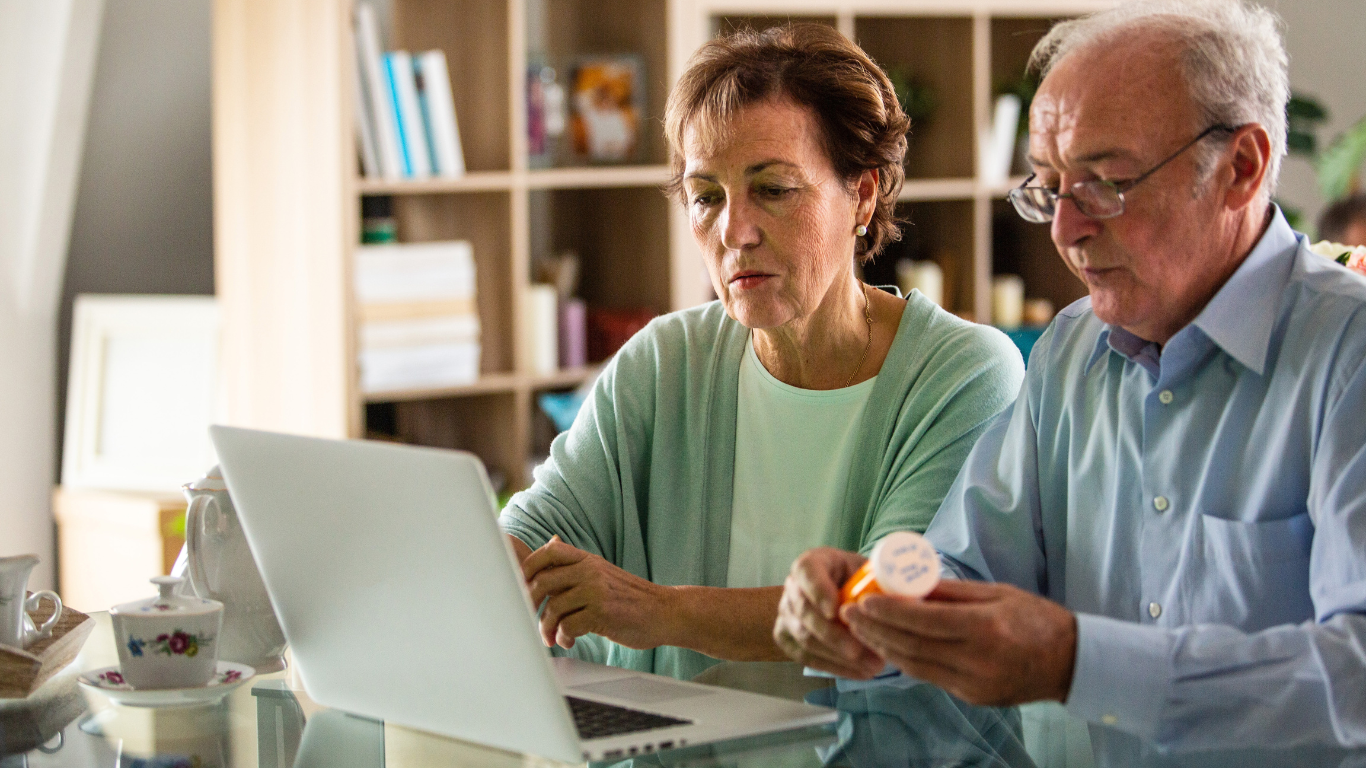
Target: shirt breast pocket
x,y
1255,574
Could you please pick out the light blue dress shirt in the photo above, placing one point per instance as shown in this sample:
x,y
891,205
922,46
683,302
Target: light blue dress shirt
x,y
1201,508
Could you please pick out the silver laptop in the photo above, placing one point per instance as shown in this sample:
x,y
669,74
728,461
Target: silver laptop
x,y
402,601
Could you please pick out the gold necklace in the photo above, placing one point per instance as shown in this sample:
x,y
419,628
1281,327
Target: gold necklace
x,y
868,318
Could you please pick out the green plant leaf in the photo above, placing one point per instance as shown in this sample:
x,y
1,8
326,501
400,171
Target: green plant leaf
x,y
1339,162
1301,107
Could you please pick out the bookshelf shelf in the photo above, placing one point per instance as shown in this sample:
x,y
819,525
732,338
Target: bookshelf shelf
x,y
586,178
288,193
937,189
565,377
490,383
477,181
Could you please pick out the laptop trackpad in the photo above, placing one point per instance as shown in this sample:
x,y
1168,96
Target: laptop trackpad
x,y
643,690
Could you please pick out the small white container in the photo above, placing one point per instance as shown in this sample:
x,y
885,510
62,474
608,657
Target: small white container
x,y
168,641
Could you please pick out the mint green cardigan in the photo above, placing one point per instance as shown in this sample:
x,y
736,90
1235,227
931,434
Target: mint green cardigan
x,y
644,476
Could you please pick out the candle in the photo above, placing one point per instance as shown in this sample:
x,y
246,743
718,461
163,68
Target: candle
x,y
1007,300
923,276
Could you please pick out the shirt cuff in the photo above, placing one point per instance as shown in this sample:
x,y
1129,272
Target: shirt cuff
x,y
1122,674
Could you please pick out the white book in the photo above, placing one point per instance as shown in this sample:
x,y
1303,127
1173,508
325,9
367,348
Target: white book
x,y
399,67
365,137
398,272
428,365
434,330
445,131
997,144
381,109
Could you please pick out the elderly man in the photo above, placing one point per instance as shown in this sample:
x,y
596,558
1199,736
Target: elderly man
x,y
1174,510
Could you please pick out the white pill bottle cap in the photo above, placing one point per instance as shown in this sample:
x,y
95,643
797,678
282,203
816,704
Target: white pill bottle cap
x,y
904,563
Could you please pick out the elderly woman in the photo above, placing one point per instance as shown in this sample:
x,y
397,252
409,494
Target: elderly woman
x,y
803,408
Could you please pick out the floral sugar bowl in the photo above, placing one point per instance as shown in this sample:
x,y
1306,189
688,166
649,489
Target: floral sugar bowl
x,y
168,641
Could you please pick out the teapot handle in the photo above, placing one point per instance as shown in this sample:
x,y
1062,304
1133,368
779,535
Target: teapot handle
x,y
194,543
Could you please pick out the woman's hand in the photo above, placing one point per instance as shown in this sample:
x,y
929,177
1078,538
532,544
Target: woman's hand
x,y
587,595
808,627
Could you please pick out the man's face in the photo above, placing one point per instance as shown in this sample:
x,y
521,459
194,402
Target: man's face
x,y
1112,112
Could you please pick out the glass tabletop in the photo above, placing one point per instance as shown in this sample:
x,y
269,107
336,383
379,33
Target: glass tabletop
x,y
270,722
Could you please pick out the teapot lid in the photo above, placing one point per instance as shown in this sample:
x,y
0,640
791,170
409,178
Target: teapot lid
x,y
168,601
211,481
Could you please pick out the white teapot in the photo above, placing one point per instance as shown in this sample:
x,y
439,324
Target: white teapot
x,y
220,567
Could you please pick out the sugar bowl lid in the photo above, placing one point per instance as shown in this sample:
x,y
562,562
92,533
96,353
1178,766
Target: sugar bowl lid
x,y
168,602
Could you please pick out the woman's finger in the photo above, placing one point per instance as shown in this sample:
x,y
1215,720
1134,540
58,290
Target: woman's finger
x,y
818,574
555,579
803,634
552,553
558,607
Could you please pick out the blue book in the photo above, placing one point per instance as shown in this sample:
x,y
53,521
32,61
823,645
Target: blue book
x,y
398,118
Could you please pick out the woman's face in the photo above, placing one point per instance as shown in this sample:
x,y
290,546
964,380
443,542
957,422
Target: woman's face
x,y
774,222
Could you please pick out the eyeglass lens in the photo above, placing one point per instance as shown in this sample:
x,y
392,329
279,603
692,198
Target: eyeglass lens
x,y
1096,199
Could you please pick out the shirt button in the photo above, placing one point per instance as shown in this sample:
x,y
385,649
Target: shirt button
x,y
1165,396
1109,719
1161,503
1154,610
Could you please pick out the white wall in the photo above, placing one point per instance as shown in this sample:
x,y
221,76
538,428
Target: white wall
x,y
143,221
46,60
1326,40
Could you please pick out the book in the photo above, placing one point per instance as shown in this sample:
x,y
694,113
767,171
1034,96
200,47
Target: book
x,y
425,110
417,316
400,272
378,105
997,144
365,137
443,130
417,367
412,135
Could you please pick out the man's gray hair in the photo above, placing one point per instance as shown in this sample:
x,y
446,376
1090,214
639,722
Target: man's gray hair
x,y
1233,59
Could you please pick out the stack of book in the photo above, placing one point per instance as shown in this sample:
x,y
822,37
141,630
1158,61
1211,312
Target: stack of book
x,y
418,319
405,115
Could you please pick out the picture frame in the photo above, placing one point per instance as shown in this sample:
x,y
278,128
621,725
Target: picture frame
x,y
607,107
141,392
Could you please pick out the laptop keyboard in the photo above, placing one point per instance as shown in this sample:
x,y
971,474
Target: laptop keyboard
x,y
594,720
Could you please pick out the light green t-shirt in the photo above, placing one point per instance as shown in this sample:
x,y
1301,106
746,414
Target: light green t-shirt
x,y
793,449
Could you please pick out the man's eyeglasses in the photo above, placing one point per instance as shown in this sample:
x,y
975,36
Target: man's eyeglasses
x,y
1097,199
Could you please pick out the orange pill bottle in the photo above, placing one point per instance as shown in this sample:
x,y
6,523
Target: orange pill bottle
x,y
902,563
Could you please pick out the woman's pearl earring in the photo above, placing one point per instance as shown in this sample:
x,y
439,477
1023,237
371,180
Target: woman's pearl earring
x,y
860,230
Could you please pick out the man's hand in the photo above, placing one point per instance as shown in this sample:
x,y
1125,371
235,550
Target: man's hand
x,y
808,628
987,644
590,595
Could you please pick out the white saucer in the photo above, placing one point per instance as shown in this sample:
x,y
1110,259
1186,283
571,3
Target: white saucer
x,y
109,681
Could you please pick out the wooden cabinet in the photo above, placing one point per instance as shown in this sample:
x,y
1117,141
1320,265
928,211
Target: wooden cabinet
x,y
109,543
288,191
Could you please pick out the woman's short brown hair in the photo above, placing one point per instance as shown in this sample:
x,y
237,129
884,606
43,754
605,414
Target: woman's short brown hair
x,y
813,65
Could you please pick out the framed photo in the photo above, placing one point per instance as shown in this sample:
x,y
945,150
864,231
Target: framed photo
x,y
141,393
607,103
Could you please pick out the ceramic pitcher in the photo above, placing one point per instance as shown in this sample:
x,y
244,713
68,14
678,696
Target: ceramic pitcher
x,y
16,628
220,567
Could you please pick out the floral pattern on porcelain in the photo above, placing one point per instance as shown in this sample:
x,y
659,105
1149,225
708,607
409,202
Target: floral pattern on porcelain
x,y
177,643
113,680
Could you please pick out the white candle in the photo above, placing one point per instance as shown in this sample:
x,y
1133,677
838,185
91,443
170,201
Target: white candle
x,y
540,345
923,276
1007,300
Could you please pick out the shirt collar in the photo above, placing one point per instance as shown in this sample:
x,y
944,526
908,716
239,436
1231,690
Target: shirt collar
x,y
1242,314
